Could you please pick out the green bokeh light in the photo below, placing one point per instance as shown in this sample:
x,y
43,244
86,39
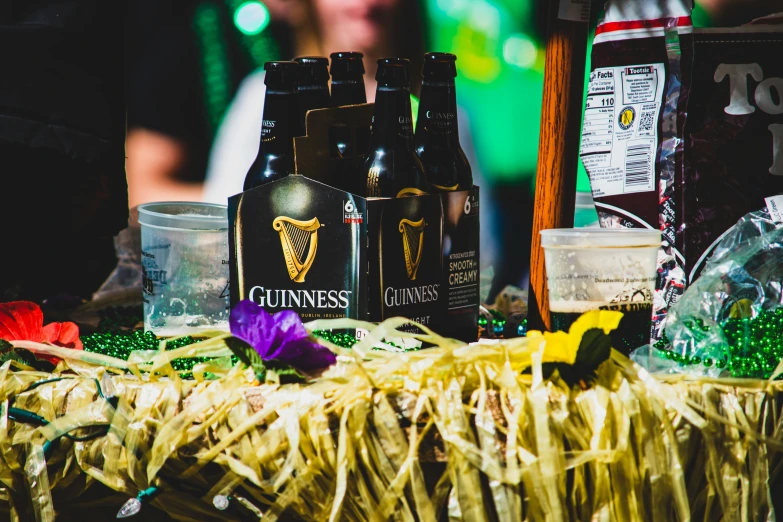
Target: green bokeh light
x,y
500,78
251,17
519,50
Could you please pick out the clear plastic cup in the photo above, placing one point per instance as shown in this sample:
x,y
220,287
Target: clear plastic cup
x,y
603,269
184,259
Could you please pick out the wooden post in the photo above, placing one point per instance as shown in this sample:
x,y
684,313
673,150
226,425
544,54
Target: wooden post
x,y
558,146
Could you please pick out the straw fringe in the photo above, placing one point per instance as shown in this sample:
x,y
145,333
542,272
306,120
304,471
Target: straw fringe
x,y
448,433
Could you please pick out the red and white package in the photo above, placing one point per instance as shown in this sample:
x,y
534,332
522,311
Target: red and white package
x,y
682,131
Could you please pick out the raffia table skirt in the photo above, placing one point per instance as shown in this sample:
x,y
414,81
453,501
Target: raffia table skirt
x,y
475,433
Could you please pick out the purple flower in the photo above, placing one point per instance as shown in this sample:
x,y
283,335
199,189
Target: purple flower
x,y
281,336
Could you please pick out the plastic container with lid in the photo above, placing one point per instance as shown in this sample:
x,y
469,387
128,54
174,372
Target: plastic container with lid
x,y
603,269
610,238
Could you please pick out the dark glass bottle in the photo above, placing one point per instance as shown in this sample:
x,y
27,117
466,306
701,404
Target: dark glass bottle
x,y
437,133
275,157
347,72
312,86
392,168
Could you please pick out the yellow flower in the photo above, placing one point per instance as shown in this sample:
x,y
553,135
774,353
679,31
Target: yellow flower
x,y
561,346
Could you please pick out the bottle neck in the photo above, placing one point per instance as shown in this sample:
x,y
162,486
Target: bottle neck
x,y
313,96
437,118
310,97
348,91
392,125
280,123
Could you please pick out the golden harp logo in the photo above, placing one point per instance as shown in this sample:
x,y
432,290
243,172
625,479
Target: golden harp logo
x,y
300,242
412,243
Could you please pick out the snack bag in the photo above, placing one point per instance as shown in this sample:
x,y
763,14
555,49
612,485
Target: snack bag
x,y
682,131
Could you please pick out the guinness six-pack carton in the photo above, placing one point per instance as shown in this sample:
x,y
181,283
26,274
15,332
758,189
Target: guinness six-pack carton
x,y
300,244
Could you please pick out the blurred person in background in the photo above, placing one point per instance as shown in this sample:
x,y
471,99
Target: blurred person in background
x,y
186,59
376,28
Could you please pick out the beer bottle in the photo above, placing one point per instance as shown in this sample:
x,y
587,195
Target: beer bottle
x,y
437,135
392,168
347,72
312,86
275,157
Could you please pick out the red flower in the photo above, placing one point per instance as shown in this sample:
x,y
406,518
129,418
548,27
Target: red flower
x,y
23,321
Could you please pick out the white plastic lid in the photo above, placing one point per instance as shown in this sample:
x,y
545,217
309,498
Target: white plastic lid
x,y
601,237
184,215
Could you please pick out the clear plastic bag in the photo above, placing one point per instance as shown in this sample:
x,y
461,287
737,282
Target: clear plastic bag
x,y
123,286
729,320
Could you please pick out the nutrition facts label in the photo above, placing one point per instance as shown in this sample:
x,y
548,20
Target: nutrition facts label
x,y
620,130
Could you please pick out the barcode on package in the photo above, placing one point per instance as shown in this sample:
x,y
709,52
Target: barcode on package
x,y
639,166
646,123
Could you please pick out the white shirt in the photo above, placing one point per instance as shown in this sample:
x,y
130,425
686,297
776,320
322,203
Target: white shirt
x,y
236,142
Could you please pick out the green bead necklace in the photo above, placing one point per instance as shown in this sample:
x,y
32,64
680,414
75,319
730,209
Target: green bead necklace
x,y
755,345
